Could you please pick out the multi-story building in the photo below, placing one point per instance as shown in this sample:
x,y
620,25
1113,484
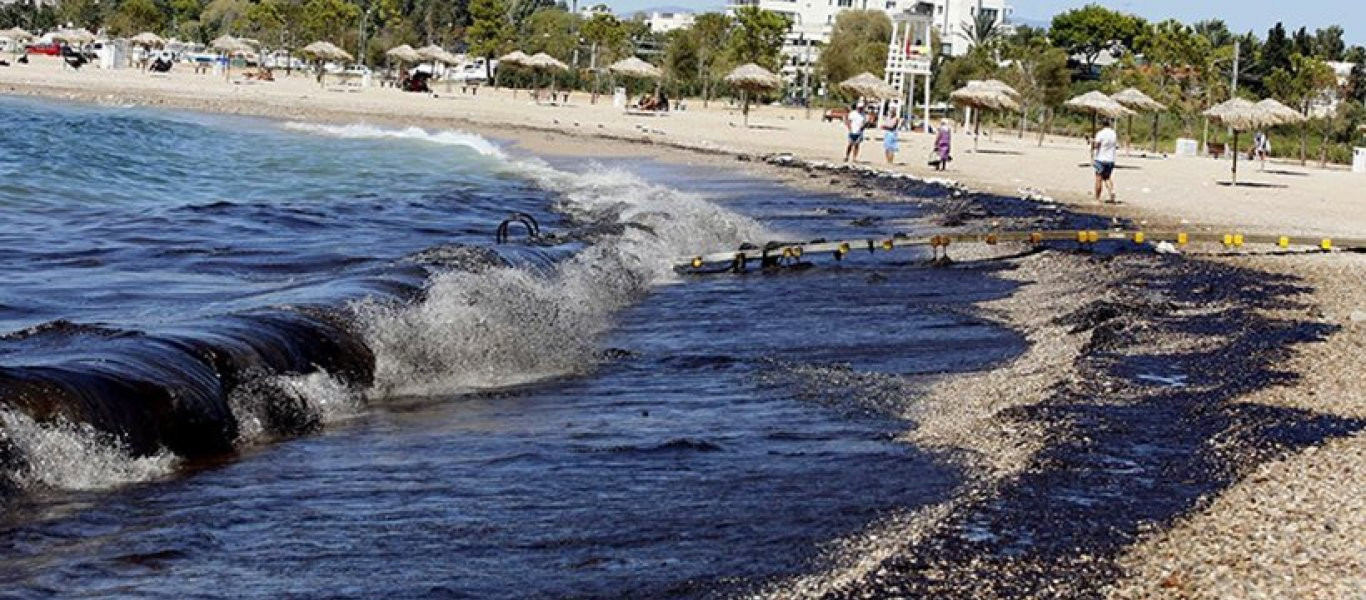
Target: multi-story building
x,y
664,22
814,20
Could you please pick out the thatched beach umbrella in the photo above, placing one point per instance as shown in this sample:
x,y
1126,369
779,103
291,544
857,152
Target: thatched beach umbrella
x,y
752,78
1240,115
404,54
516,57
1283,114
1000,86
545,62
1135,99
18,36
1097,104
148,39
437,54
79,36
324,51
869,86
229,45
634,68
981,95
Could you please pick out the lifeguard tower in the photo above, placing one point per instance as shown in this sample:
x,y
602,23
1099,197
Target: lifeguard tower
x,y
910,55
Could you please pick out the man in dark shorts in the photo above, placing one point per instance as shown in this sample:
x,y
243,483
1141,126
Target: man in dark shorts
x,y
1103,151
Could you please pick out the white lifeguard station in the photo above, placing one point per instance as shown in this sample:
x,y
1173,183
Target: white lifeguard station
x,y
910,55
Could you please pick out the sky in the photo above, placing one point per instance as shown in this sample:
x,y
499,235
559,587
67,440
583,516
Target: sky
x,y
1241,15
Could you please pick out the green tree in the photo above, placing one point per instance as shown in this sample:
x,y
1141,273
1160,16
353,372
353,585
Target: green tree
x,y
135,16
711,33
327,19
981,29
222,17
552,31
489,31
1093,29
1306,80
1215,32
758,37
1355,54
80,13
682,58
1039,72
857,44
1276,51
608,37
1328,44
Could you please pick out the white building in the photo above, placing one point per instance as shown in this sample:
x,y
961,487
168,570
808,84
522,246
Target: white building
x,y
589,11
814,20
664,22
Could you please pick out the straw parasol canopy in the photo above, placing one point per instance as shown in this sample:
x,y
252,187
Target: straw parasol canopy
x,y
541,60
983,96
16,34
148,39
1097,103
1284,114
634,67
1135,99
327,51
516,57
752,78
1000,86
1240,115
869,86
404,53
74,36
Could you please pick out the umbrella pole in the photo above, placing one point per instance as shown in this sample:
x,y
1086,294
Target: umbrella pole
x,y
1130,142
1157,118
1235,157
744,99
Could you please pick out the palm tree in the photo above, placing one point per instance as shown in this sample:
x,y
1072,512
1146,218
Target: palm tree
x,y
981,29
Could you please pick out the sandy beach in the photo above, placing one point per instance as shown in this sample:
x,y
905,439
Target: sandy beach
x,y
1287,522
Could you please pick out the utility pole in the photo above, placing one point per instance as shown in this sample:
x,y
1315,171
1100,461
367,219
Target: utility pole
x,y
1237,49
806,74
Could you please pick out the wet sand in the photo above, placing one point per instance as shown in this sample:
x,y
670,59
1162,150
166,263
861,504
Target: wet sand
x,y
1178,428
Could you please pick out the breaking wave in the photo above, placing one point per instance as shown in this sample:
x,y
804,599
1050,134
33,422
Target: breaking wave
x,y
147,401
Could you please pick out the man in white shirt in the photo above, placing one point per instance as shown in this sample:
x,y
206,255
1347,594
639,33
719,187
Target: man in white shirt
x,y
1103,151
854,122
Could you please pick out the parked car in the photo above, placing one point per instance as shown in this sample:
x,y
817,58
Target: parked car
x,y
44,48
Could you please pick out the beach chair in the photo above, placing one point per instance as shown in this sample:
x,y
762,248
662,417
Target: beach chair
x,y
1216,149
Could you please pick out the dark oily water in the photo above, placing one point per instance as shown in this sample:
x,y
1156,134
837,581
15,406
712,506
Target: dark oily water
x,y
535,422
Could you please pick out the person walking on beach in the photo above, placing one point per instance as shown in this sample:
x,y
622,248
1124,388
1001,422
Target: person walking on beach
x,y
1103,152
890,146
943,141
853,122
1261,148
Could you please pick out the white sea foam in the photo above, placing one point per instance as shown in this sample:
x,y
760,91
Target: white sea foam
x,y
507,326
71,456
323,396
361,131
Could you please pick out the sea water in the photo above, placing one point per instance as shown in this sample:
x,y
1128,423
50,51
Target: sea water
x,y
246,358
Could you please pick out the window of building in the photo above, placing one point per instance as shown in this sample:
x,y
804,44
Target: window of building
x,y
891,4
989,13
844,3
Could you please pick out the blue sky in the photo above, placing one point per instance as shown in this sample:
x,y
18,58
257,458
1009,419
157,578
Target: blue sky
x,y
1241,15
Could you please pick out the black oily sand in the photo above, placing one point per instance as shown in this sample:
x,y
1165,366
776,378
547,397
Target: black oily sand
x,y
1141,437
